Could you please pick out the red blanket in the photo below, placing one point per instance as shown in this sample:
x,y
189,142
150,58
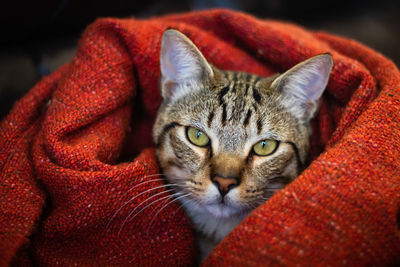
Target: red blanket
x,y
76,157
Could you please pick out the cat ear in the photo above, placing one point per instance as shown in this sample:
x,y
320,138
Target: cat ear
x,y
183,67
302,86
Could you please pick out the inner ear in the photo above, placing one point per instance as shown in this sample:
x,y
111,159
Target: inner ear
x,y
303,85
183,67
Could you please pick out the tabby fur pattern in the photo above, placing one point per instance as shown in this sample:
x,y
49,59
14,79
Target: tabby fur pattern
x,y
235,110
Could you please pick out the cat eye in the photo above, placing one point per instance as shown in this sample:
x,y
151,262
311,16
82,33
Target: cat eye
x,y
265,147
197,137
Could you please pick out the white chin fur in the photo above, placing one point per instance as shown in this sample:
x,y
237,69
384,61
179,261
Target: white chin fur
x,y
221,210
213,218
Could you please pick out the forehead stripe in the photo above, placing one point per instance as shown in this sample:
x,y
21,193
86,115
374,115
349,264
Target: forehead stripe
x,y
222,93
259,125
248,115
223,116
256,95
210,118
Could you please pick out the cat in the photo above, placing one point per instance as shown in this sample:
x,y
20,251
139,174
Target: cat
x,y
228,139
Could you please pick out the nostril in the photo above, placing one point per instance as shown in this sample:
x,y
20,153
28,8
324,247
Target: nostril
x,y
224,184
215,183
231,186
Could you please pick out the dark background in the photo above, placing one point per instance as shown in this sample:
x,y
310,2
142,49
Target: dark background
x,y
39,36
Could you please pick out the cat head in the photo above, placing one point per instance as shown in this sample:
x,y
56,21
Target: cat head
x,y
228,139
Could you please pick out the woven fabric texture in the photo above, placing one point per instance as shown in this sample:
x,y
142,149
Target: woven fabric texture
x,y
76,155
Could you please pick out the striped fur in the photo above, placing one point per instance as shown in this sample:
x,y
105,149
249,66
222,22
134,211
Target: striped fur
x,y
236,110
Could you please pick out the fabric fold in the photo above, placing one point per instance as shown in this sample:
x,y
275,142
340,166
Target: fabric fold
x,y
80,184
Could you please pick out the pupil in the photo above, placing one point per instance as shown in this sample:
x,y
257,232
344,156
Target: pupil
x,y
198,134
263,144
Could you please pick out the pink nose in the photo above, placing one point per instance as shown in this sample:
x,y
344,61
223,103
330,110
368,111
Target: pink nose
x,y
224,184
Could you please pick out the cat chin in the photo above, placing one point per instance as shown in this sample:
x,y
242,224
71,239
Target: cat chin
x,y
221,210
215,221
217,210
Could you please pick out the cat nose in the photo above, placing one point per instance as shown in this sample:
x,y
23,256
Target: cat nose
x,y
224,184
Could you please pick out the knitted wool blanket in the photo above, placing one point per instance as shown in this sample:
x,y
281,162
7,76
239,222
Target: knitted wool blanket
x,y
76,155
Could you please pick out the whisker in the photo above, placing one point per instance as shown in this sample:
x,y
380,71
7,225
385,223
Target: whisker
x,y
182,201
140,211
268,194
151,197
139,184
173,195
164,207
145,182
132,199
252,206
274,186
152,175
176,177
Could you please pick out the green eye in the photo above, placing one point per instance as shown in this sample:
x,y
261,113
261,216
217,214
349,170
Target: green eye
x,y
197,137
265,147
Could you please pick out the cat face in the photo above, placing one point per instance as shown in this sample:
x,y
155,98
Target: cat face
x,y
230,139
